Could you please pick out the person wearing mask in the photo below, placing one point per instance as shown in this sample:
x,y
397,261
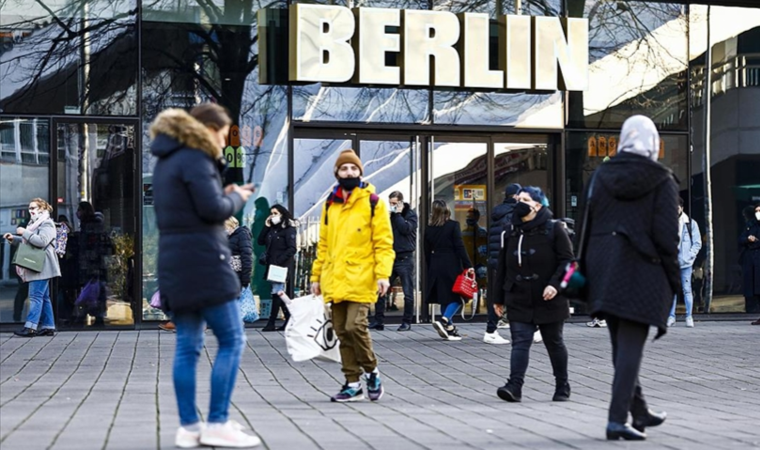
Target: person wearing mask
x,y
690,242
446,258
404,225
39,233
501,218
631,263
532,260
196,280
241,247
279,240
749,244
353,264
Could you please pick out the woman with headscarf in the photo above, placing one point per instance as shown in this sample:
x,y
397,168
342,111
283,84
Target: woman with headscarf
x,y
631,263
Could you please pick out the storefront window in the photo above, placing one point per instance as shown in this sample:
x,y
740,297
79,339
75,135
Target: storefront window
x,y
68,57
25,174
197,51
637,64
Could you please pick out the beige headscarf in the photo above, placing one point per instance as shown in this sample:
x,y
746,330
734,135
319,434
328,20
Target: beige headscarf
x,y
639,136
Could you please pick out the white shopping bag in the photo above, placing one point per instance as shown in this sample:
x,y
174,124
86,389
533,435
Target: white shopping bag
x,y
309,333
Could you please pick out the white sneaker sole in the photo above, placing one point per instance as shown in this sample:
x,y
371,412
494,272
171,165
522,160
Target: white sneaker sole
x,y
358,398
216,442
438,326
453,338
492,342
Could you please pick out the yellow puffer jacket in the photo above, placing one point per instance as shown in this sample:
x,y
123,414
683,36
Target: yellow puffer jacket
x,y
355,249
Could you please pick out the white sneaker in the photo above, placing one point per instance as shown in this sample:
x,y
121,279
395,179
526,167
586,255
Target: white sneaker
x,y
227,435
672,321
596,323
502,324
494,338
187,439
537,338
690,322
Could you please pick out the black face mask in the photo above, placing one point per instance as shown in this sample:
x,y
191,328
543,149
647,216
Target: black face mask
x,y
521,210
349,184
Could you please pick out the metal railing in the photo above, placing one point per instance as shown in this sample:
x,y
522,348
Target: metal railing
x,y
741,71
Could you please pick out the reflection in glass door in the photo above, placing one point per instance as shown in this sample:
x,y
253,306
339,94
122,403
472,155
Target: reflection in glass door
x,y
96,198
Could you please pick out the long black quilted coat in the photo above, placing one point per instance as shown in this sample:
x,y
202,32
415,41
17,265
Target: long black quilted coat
x,y
631,258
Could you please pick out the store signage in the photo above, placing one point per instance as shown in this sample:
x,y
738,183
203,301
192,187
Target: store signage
x,y
335,44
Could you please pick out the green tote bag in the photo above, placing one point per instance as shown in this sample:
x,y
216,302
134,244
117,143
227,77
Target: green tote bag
x,y
29,257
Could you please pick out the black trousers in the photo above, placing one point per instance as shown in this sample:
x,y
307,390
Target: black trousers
x,y
493,318
628,339
277,303
18,302
522,339
403,267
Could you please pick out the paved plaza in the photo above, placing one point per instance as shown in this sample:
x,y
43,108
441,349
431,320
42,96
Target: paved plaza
x,y
113,390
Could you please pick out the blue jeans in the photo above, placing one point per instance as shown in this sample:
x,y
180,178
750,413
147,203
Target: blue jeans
x,y
40,306
688,296
227,325
451,310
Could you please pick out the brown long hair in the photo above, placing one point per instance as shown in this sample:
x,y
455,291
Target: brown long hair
x,y
440,213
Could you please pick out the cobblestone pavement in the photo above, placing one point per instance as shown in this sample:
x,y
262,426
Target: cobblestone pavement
x,y
113,390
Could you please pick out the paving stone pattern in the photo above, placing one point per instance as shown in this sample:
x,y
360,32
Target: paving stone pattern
x,y
113,390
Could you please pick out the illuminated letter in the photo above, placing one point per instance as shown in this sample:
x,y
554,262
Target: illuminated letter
x,y
474,53
426,34
514,51
371,43
560,43
319,47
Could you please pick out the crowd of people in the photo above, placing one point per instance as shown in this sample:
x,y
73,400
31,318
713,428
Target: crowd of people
x,y
633,225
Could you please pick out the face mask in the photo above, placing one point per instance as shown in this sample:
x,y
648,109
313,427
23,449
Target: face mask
x,y
349,184
757,215
472,222
35,214
522,209
276,220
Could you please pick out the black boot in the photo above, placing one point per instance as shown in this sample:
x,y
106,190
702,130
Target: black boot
x,y
651,419
510,392
562,392
624,431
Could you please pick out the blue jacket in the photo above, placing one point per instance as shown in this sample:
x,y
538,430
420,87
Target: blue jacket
x,y
194,269
689,247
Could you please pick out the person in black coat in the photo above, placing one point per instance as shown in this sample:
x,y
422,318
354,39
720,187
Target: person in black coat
x,y
196,281
631,263
241,247
500,216
749,244
445,258
531,263
279,238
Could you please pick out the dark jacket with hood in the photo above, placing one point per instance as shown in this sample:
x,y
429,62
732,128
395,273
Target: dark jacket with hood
x,y
241,244
404,225
280,242
501,215
193,251
445,258
530,261
750,256
631,256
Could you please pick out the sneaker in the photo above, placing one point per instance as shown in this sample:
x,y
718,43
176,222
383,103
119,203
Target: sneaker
x,y
374,386
168,326
187,439
452,334
26,332
494,338
348,394
503,324
438,326
671,321
510,393
689,322
537,338
596,323
227,435
404,327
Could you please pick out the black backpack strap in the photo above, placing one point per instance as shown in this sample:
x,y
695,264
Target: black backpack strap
x,y
373,199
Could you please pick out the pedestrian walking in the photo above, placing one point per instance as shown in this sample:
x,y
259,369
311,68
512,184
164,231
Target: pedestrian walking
x,y
354,262
39,234
241,248
446,258
404,225
531,263
501,218
749,243
279,240
631,263
689,244
196,280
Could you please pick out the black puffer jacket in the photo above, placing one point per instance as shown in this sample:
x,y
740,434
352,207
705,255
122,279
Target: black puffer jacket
x,y
631,258
241,244
404,225
280,242
521,279
500,215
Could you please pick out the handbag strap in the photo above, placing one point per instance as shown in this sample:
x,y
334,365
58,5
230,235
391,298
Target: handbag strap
x,y
474,306
586,226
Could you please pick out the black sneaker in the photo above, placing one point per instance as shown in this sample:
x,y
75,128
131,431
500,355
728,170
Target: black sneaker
x,y
374,325
348,394
452,334
510,393
374,387
441,329
562,392
46,332
26,332
404,327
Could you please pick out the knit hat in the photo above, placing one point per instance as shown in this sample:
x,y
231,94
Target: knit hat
x,y
348,156
512,190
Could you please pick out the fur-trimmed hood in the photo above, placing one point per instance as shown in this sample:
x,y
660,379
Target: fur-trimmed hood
x,y
174,129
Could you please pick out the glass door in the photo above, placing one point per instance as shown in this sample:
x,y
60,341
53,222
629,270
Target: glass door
x,y
96,192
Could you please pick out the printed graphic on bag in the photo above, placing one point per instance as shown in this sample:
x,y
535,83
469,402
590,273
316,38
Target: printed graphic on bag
x,y
325,335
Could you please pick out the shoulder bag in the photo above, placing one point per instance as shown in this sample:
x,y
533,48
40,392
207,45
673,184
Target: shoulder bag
x,y
573,279
29,257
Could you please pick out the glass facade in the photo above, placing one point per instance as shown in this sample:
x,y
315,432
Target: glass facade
x,y
81,81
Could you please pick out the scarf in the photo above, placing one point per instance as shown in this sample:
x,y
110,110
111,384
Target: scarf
x,y
683,219
639,136
44,215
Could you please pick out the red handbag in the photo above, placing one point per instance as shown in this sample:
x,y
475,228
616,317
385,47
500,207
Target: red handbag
x,y
466,285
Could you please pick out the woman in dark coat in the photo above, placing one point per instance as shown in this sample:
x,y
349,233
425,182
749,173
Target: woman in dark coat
x,y
446,258
241,247
531,263
749,243
279,238
196,281
631,263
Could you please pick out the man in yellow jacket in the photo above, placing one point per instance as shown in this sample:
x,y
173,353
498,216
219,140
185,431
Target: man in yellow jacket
x,y
354,261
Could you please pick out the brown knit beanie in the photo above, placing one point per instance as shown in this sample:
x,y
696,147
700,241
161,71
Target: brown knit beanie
x,y
348,156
